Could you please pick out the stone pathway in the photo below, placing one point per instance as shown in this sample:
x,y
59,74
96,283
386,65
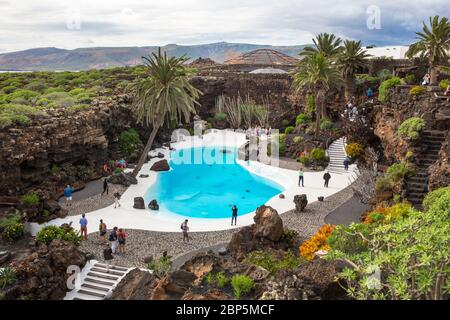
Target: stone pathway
x,y
90,199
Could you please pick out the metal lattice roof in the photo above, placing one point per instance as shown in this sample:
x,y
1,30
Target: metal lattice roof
x,y
263,57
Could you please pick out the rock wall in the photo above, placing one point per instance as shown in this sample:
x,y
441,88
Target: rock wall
x,y
272,88
59,138
400,106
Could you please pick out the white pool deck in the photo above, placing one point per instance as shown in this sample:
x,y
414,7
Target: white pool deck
x,y
129,218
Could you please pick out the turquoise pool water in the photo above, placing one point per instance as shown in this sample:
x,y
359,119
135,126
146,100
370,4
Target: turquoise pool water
x,y
206,182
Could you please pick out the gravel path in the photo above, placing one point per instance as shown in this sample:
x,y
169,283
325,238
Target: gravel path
x,y
90,199
141,243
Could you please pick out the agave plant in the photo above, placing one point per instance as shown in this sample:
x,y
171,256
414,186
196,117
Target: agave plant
x,y
165,95
433,44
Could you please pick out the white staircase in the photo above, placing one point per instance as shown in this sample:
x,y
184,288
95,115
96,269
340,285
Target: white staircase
x,y
336,153
96,282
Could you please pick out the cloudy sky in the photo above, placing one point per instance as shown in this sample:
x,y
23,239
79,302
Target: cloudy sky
x,y
85,23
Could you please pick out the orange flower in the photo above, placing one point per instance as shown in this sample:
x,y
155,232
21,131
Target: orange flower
x,y
316,242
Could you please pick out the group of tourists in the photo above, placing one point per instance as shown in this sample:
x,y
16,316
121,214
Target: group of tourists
x,y
117,237
301,178
110,167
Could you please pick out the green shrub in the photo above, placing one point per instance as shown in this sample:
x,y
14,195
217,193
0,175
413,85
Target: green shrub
x,y
10,220
271,263
162,267
411,128
384,184
222,280
399,171
298,139
443,84
210,279
242,285
385,87
16,114
220,116
417,90
13,232
12,228
384,75
410,78
433,197
31,199
326,124
305,160
26,95
301,119
411,254
285,122
129,142
47,234
7,277
289,130
354,150
55,169
318,154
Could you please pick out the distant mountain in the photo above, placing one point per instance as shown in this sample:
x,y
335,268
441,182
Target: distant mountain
x,y
107,57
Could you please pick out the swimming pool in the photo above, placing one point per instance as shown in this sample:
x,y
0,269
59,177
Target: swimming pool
x,y
206,182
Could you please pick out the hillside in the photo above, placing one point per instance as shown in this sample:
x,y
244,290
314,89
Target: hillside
x,y
106,57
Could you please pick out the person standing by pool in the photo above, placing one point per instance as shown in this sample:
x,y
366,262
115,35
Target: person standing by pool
x,y
234,215
105,187
185,229
68,191
116,200
102,230
114,240
300,177
326,177
83,226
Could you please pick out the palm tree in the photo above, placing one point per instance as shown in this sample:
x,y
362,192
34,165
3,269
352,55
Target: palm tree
x,y
351,57
316,73
165,94
433,44
327,44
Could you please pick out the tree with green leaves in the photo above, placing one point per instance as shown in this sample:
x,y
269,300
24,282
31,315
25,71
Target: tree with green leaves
x,y
409,251
316,74
327,44
349,59
433,44
165,95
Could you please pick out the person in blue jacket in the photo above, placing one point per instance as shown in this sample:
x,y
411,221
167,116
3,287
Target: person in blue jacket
x,y
68,191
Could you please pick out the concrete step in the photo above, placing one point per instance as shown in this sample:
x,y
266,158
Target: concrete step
x,y
98,281
102,265
101,275
95,287
92,293
414,189
105,271
415,201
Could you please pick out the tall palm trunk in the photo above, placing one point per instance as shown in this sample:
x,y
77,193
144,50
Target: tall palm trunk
x,y
319,112
433,74
147,148
349,84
